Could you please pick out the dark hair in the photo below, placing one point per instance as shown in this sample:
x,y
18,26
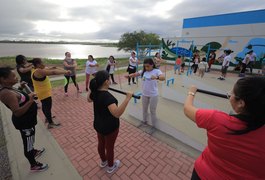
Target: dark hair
x,y
156,54
112,57
5,72
36,61
97,82
150,62
66,53
179,56
204,59
20,59
252,91
91,56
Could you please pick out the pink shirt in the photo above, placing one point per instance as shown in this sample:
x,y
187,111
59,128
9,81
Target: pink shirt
x,y
229,156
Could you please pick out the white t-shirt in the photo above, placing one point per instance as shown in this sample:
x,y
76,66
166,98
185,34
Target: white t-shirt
x,y
245,59
149,86
253,56
91,70
112,68
203,65
227,60
133,59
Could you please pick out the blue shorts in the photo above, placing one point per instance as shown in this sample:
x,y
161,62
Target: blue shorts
x,y
177,67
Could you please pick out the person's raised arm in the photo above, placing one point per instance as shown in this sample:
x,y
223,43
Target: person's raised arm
x,y
48,72
25,69
189,109
117,111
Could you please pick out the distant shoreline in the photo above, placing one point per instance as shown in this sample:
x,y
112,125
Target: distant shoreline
x,y
60,42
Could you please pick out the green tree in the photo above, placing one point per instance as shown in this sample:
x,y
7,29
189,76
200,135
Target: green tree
x,y
129,40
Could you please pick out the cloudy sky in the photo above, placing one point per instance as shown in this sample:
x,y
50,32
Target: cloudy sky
x,y
100,20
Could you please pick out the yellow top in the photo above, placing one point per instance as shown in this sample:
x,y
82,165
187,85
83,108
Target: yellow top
x,y
43,89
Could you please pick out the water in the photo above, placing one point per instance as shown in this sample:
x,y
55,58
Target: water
x,y
56,51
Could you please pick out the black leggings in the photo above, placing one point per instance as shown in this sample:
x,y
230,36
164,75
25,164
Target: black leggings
x,y
195,68
244,66
131,70
28,138
67,82
47,108
112,78
195,176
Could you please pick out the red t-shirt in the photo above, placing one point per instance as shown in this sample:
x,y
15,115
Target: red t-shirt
x,y
229,156
178,61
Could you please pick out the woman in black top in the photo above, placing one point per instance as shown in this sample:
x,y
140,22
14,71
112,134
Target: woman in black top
x,y
106,118
24,115
24,70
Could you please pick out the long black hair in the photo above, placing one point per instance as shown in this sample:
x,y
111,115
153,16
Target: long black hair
x,y
150,62
97,82
252,91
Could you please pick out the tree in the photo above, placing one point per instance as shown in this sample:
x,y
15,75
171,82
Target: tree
x,y
129,40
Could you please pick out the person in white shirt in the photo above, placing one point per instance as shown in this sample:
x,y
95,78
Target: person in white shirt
x,y
91,69
111,68
133,61
225,64
245,62
203,65
149,75
252,60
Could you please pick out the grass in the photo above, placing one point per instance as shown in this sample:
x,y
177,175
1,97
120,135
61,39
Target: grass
x,y
10,61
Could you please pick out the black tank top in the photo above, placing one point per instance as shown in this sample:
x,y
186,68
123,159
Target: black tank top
x,y
25,76
29,118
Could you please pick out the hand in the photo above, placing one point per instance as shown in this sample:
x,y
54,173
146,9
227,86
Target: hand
x,y
153,77
22,84
193,89
129,95
31,96
127,76
68,72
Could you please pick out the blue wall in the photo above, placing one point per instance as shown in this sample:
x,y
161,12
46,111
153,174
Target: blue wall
x,y
249,17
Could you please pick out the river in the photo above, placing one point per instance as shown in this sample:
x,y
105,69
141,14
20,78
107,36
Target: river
x,y
56,51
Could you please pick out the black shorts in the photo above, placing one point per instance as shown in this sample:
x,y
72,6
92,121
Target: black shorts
x,y
224,69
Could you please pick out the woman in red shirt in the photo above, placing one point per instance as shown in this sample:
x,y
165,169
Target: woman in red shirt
x,y
236,148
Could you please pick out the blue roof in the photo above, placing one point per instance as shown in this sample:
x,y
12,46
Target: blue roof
x,y
249,17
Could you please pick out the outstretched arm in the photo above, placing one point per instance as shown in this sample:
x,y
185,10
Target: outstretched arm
x,y
189,109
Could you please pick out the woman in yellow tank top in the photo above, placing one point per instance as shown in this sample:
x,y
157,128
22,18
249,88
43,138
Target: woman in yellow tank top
x,y
42,87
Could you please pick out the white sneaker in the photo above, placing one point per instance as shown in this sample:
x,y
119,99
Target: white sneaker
x,y
114,167
103,164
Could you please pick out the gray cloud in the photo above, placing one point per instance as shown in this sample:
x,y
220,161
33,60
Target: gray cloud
x,y
17,18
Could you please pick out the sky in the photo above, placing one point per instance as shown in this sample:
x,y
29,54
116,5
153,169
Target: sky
x,y
106,20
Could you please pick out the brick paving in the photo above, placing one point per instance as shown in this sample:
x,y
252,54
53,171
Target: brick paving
x,y
142,156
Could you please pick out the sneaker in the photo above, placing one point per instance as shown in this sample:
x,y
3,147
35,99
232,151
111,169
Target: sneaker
x,y
103,164
39,167
114,167
152,130
66,94
129,83
46,120
53,125
134,82
114,83
38,153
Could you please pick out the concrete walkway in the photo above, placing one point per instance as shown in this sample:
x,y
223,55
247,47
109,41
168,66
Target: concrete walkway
x,y
59,165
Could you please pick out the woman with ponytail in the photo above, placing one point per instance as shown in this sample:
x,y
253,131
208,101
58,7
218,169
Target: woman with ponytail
x,y
106,118
236,148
